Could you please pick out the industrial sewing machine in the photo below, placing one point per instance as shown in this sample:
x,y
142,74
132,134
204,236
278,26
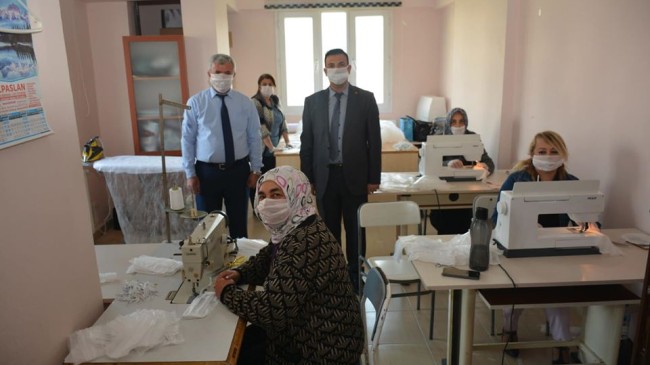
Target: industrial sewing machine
x,y
205,253
517,231
437,147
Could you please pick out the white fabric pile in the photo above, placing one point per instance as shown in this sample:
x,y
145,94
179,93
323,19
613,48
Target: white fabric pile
x,y
141,330
153,265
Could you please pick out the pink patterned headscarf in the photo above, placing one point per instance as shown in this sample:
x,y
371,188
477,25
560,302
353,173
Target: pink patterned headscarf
x,y
297,189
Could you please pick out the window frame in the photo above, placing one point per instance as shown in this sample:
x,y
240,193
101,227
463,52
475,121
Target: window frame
x,y
315,15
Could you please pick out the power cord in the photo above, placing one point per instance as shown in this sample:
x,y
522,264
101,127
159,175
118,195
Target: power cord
x,y
512,310
435,191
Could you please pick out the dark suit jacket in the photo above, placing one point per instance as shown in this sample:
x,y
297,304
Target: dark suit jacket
x,y
361,141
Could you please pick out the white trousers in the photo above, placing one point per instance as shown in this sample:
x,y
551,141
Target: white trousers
x,y
558,321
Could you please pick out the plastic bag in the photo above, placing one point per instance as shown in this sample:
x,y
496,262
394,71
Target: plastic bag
x,y
390,133
421,129
153,265
141,330
201,306
454,252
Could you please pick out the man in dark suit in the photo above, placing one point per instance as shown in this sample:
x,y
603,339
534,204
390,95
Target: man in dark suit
x,y
340,151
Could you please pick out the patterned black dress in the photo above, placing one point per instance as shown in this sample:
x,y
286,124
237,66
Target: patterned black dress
x,y
307,308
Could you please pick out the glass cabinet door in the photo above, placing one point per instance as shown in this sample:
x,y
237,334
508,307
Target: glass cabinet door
x,y
155,65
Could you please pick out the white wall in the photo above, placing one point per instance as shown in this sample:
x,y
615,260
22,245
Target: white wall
x,y
581,69
108,23
577,67
82,78
204,21
50,285
474,69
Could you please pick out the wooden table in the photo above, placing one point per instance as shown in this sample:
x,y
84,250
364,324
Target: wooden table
x,y
391,159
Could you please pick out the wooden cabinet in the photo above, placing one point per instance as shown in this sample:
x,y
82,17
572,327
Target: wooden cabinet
x,y
155,65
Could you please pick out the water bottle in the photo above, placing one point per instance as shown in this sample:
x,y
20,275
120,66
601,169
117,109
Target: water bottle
x,y
480,233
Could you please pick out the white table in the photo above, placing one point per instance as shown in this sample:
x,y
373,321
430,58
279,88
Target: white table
x,y
537,272
115,258
214,339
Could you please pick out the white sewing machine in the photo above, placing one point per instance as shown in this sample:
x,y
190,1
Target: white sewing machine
x,y
205,253
517,231
437,147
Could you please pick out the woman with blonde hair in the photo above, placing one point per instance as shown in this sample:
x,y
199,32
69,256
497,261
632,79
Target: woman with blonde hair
x,y
547,162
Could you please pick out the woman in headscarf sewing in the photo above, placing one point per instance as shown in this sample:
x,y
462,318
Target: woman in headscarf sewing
x,y
308,312
548,154
456,124
457,221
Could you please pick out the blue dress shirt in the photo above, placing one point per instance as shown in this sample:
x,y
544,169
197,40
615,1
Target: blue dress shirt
x,y
202,135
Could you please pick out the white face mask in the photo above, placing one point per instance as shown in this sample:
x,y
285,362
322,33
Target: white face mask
x,y
221,82
338,76
457,130
547,162
273,212
267,90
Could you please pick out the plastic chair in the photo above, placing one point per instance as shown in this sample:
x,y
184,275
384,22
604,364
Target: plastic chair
x,y
400,213
487,201
377,291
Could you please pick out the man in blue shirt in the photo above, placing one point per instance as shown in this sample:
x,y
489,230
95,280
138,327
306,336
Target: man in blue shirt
x,y
222,153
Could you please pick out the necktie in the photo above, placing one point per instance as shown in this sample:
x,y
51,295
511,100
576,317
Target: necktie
x,y
227,132
334,129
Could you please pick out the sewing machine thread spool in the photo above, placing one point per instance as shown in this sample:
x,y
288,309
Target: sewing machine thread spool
x,y
176,201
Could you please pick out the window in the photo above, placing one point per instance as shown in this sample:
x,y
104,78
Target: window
x,y
305,37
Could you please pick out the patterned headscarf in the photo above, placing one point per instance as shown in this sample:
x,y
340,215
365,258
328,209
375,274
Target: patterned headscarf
x,y
297,189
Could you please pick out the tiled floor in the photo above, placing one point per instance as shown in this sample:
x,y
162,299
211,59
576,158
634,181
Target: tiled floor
x,y
404,339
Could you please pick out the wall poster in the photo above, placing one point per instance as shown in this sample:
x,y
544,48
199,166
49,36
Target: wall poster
x,y
21,114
